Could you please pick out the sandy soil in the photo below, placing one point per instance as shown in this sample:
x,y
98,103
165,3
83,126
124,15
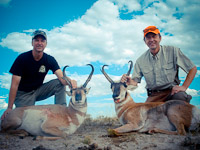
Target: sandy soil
x,y
94,137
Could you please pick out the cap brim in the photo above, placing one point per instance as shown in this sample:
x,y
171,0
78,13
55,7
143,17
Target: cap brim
x,y
155,32
39,35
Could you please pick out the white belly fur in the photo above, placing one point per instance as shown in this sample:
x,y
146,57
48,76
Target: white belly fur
x,y
32,121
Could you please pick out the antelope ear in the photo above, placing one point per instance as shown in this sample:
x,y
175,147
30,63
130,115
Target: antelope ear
x,y
87,90
131,87
69,93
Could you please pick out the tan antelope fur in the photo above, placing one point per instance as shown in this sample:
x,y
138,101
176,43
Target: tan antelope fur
x,y
50,121
172,117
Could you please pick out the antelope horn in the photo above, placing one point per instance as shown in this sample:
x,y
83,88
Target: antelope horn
x,y
89,77
105,74
131,66
66,78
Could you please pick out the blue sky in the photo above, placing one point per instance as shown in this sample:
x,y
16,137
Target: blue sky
x,y
98,32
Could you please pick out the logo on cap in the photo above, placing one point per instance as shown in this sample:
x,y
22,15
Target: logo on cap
x,y
39,32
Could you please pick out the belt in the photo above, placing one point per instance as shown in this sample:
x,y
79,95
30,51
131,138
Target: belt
x,y
149,91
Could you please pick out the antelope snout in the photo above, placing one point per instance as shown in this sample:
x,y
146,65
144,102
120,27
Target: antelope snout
x,y
115,96
78,97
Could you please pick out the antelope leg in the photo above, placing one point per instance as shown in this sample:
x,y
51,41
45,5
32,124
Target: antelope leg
x,y
156,130
121,130
46,138
19,132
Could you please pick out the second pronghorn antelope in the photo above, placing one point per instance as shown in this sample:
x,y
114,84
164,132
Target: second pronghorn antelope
x,y
50,121
172,117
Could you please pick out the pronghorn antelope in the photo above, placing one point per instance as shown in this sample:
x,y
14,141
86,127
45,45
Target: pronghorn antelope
x,y
50,121
171,117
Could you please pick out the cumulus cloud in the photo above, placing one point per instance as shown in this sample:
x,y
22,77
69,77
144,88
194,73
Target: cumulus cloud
x,y
3,104
19,42
193,92
101,109
101,35
198,73
5,80
128,6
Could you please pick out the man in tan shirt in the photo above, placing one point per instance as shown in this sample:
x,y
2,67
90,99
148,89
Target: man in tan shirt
x,y
159,66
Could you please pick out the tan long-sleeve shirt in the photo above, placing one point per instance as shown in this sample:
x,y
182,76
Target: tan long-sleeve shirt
x,y
161,71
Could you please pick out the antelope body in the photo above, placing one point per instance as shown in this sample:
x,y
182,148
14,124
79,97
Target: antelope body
x,y
171,117
50,121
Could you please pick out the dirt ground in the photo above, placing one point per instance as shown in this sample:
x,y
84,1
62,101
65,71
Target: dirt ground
x,y
93,136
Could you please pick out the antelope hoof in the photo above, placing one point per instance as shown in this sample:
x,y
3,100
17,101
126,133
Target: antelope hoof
x,y
112,133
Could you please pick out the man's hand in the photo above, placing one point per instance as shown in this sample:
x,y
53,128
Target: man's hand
x,y
74,84
5,113
125,79
177,89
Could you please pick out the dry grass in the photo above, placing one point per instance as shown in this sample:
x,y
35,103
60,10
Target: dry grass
x,y
101,121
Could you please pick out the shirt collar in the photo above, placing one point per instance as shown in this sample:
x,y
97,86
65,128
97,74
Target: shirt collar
x,y
157,56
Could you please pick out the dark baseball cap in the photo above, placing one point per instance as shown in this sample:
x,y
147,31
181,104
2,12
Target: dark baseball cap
x,y
39,32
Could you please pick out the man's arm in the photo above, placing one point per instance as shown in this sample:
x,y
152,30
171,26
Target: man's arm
x,y
12,94
59,75
190,76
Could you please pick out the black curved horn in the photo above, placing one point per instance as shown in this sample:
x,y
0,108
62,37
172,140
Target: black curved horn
x,y
106,75
89,77
66,78
130,68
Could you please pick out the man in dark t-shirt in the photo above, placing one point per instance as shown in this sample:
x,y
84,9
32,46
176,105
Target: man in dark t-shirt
x,y
28,73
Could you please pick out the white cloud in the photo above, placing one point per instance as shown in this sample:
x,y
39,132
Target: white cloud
x,y
100,105
140,89
100,34
3,104
5,80
18,42
198,73
129,6
193,92
102,12
101,109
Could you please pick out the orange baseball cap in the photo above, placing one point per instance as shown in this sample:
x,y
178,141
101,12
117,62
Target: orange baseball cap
x,y
152,29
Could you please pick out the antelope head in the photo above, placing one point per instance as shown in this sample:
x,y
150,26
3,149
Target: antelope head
x,y
119,89
78,95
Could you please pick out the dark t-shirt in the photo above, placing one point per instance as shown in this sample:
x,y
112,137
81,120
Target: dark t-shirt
x,y
32,72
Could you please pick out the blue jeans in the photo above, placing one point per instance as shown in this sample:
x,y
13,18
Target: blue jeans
x,y
53,87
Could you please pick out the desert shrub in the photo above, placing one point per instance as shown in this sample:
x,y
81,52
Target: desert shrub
x,y
101,121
